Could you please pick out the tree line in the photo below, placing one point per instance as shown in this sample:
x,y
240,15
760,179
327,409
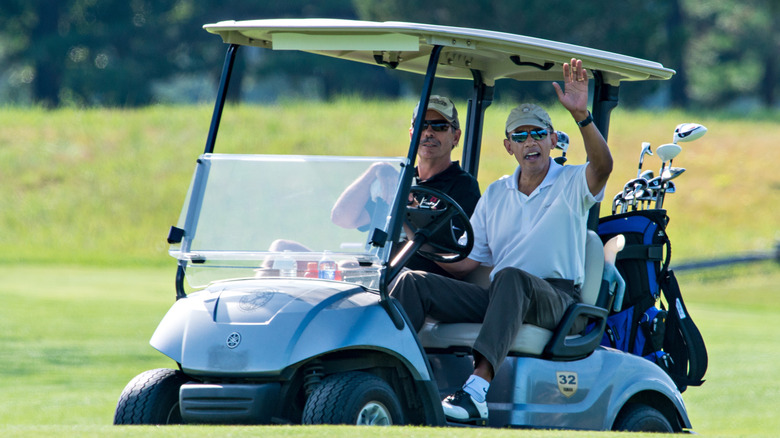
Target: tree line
x,y
138,52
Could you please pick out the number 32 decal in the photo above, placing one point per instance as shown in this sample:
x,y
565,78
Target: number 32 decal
x,y
567,382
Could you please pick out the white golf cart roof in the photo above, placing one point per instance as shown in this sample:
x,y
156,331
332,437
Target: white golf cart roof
x,y
407,46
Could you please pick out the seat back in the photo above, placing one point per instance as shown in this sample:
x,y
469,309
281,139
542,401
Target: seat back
x,y
594,268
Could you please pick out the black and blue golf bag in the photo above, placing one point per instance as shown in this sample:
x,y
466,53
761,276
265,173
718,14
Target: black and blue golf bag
x,y
645,326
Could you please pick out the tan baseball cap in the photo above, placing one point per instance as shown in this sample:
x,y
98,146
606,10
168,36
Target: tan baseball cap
x,y
528,114
443,106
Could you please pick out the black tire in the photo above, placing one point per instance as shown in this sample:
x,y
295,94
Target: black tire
x,y
353,398
642,418
152,397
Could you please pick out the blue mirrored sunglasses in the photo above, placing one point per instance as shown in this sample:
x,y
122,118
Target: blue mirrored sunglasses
x,y
520,137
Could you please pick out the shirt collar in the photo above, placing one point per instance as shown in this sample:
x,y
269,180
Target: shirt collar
x,y
552,173
454,167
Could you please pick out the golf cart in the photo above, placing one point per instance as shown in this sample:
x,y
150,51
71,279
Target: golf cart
x,y
305,332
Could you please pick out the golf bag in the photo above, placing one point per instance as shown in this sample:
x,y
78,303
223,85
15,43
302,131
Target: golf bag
x,y
666,336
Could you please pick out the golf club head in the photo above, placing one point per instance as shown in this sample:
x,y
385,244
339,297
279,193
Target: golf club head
x,y
688,132
617,201
670,188
647,175
645,150
654,183
635,184
563,141
671,173
667,152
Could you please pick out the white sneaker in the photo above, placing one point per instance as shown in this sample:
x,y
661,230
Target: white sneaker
x,y
462,408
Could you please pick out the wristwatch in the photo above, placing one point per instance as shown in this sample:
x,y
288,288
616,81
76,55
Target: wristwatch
x,y
588,120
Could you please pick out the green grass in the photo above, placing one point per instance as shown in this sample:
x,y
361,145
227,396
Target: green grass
x,y
735,309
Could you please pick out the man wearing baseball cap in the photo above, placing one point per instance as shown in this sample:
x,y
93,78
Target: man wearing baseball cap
x,y
531,228
435,169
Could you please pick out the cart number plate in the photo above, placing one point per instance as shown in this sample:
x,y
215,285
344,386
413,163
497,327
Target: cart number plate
x,y
567,382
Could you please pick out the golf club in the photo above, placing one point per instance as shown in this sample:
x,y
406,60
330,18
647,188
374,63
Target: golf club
x,y
672,172
685,132
667,152
562,144
645,151
668,187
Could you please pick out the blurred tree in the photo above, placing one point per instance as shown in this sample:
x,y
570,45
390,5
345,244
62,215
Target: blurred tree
x,y
733,52
25,22
296,67
95,52
112,52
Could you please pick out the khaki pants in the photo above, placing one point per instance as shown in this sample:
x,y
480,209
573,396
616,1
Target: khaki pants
x,y
513,298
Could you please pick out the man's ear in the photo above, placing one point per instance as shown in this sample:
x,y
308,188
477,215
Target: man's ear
x,y
508,146
456,138
411,132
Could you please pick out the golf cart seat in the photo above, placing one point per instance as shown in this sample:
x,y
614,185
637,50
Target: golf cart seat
x,y
531,340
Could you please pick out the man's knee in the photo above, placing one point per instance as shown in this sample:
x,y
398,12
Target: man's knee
x,y
508,272
513,279
406,289
404,282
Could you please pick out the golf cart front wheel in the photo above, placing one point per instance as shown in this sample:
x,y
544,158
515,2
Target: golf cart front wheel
x,y
642,418
353,398
152,397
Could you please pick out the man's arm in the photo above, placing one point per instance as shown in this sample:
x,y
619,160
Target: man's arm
x,y
349,211
575,99
460,269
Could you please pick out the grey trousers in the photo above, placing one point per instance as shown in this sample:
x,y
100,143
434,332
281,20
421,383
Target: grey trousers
x,y
513,298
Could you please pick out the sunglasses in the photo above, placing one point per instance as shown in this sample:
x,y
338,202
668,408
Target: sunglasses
x,y
520,137
436,125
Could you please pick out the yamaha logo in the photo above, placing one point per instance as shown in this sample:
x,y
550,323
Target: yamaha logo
x,y
233,340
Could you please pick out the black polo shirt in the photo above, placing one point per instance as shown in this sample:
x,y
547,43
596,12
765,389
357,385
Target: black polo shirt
x,y
463,189
453,181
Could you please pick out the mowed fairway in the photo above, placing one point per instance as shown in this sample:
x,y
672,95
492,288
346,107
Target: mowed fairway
x,y
72,338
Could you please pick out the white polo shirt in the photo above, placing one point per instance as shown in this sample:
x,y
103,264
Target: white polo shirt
x,y
542,234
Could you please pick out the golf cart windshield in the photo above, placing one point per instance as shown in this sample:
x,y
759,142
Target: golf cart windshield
x,y
247,214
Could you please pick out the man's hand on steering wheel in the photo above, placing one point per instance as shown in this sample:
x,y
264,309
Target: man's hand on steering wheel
x,y
432,216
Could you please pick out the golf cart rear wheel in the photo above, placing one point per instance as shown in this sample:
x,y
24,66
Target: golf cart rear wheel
x,y
353,398
152,397
642,418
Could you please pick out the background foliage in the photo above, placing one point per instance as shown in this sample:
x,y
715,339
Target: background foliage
x,y
130,53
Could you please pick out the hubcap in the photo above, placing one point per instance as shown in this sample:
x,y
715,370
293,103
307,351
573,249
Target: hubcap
x,y
374,414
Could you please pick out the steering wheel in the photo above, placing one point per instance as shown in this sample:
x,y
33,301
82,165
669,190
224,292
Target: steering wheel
x,y
444,221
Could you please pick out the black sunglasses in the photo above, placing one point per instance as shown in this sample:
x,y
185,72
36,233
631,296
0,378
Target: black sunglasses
x,y
436,125
520,137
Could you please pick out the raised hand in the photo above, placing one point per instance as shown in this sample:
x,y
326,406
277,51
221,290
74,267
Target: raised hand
x,y
574,95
